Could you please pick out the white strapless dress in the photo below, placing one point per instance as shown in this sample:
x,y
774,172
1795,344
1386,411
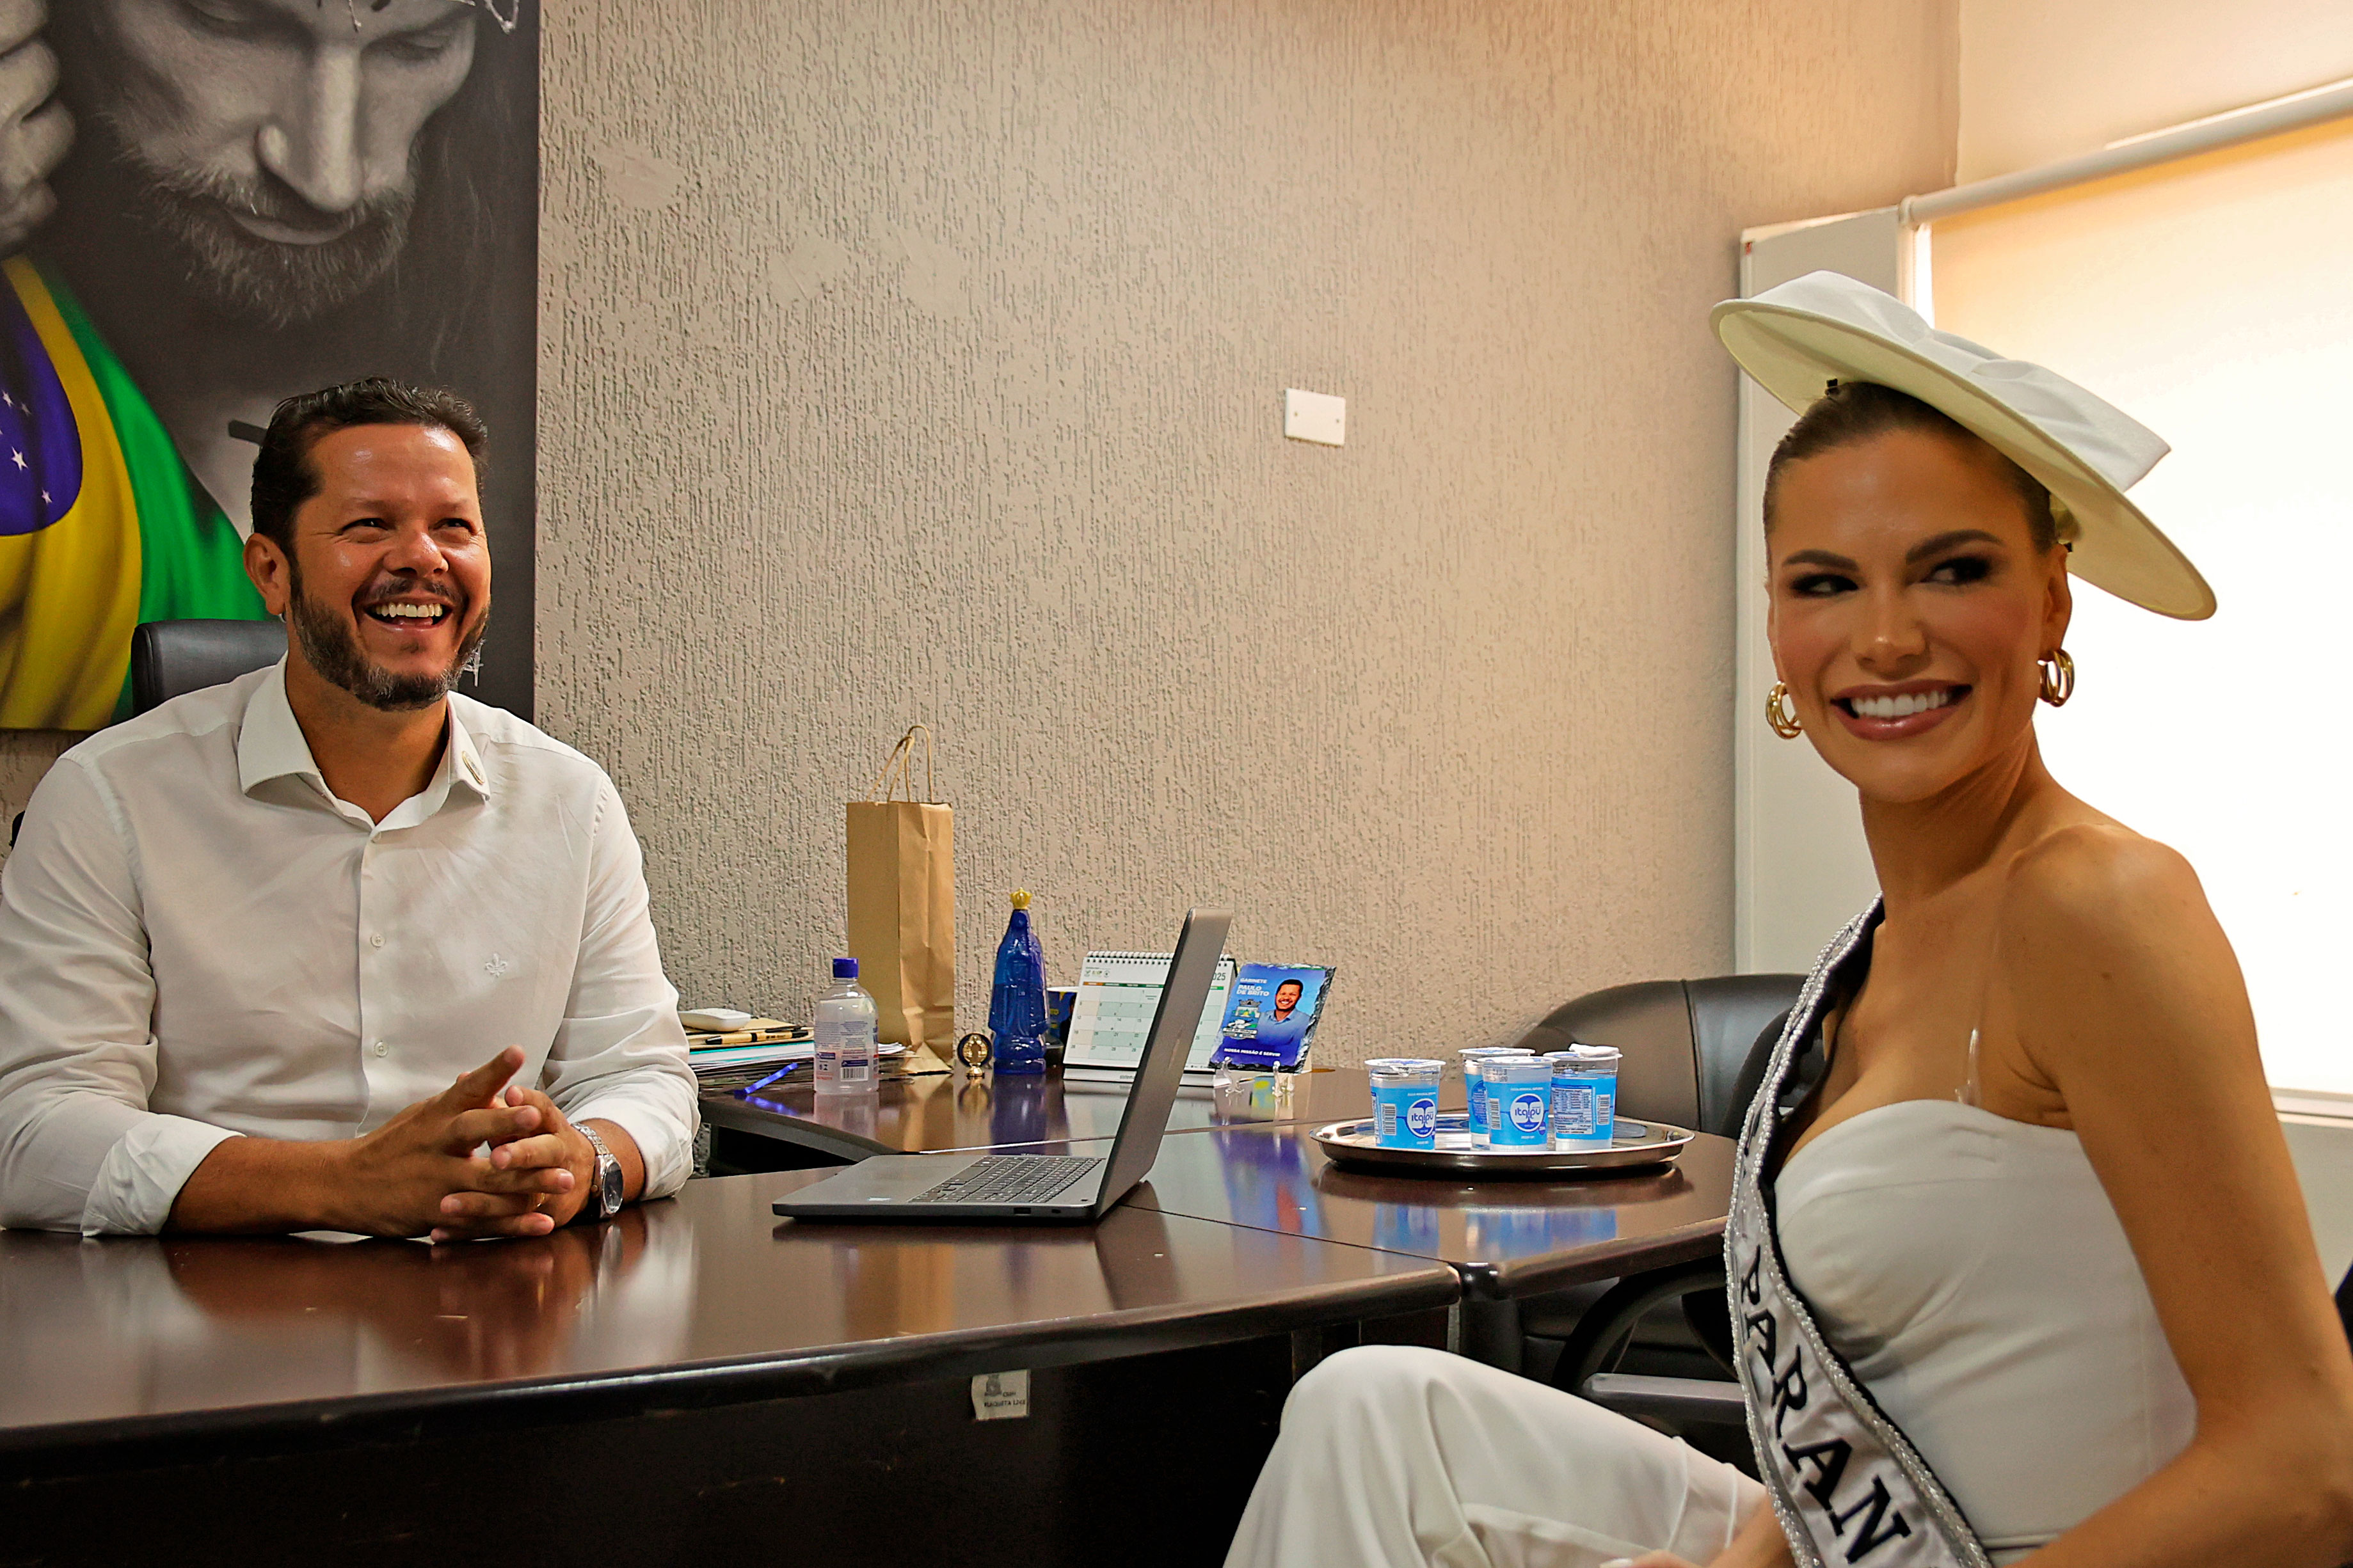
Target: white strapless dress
x,y
1973,1273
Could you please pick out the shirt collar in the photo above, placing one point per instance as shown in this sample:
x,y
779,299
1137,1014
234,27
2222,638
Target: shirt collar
x,y
269,745
463,759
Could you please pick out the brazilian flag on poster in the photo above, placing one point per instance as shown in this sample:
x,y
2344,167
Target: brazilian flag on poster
x,y
102,527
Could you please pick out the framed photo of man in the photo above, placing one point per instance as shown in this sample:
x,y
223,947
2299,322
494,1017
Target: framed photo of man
x,y
207,206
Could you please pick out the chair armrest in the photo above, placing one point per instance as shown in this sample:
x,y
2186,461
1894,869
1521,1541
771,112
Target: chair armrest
x,y
1594,1344
1672,1398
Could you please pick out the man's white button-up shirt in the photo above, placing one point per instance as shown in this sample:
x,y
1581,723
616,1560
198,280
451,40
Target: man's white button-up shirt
x,y
198,940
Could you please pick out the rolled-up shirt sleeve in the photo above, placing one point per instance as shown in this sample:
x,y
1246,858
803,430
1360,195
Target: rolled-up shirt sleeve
x,y
620,1055
78,1148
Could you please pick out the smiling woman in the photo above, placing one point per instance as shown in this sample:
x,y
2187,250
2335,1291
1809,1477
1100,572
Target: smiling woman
x,y
2041,1009
2019,1269
1954,588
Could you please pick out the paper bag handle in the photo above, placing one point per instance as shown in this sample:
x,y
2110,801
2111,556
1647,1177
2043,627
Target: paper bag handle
x,y
902,759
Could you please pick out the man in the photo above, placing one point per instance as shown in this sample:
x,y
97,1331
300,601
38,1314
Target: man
x,y
1286,999
295,906
1282,1029
248,194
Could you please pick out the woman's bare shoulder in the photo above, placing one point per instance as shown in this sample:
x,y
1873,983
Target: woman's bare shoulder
x,y
2091,905
2098,876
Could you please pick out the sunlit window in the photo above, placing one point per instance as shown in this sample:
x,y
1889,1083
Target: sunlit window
x,y
2213,299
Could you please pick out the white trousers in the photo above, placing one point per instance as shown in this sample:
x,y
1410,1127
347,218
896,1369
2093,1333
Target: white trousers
x,y
1392,1456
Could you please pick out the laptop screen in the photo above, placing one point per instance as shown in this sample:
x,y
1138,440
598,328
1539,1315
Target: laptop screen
x,y
1182,1000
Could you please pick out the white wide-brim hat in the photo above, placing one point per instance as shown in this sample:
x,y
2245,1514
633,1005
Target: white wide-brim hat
x,y
1799,337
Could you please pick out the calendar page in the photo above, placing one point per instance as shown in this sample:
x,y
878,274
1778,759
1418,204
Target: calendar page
x,y
1118,993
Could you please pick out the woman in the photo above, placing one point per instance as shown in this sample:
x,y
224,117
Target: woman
x,y
2018,1268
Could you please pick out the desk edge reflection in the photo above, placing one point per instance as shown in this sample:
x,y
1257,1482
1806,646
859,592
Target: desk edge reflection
x,y
136,1441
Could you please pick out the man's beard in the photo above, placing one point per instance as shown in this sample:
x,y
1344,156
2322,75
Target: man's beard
x,y
334,650
268,283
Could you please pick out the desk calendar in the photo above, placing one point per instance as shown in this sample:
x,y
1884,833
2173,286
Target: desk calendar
x,y
1118,993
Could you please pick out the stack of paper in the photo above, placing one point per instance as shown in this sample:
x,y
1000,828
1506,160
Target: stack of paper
x,y
750,1044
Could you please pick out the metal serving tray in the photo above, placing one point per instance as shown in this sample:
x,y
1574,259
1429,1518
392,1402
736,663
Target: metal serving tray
x,y
1636,1143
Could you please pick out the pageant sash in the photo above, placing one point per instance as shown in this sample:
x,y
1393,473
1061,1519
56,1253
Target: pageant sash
x,y
1847,1485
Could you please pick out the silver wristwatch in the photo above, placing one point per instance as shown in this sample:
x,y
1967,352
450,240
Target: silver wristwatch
x,y
604,1183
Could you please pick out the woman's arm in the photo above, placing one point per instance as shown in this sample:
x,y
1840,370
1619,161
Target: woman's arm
x,y
2129,1001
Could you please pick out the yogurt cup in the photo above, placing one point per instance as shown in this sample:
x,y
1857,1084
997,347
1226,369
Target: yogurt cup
x,y
1583,1096
1519,1102
1474,1086
1405,1102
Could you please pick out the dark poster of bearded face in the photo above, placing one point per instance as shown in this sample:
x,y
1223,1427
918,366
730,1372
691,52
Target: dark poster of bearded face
x,y
263,197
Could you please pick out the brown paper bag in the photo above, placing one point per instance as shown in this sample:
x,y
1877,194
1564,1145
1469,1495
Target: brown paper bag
x,y
902,903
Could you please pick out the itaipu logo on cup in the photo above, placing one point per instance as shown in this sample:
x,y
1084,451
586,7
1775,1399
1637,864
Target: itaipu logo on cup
x,y
1528,1113
1421,1117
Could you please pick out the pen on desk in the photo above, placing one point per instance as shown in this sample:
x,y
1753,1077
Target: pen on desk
x,y
703,1042
755,1087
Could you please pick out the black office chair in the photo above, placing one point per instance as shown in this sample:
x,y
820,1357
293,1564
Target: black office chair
x,y
169,659
1685,1041
1695,1052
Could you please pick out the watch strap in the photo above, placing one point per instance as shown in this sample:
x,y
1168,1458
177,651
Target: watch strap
x,y
600,1206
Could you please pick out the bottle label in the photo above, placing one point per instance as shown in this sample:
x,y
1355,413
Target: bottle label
x,y
1405,1117
1585,1108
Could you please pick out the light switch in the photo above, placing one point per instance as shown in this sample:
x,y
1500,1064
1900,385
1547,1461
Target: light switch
x,y
1314,417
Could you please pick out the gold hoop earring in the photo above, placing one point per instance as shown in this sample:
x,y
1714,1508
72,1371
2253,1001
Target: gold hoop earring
x,y
1784,721
2058,677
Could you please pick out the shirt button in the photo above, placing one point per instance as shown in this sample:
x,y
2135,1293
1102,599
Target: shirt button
x,y
376,941
382,1049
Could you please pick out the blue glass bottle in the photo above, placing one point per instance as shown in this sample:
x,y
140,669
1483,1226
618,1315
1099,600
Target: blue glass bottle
x,y
1017,1002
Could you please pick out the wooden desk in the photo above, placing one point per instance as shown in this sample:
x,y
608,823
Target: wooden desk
x,y
924,1115
1251,1162
696,1371
1506,1239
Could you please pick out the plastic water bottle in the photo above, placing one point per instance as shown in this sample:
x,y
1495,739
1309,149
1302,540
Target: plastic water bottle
x,y
1017,1002
842,1032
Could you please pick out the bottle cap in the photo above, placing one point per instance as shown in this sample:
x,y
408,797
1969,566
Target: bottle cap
x,y
845,969
1020,897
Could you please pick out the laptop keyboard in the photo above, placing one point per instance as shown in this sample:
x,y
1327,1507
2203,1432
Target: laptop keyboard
x,y
1010,1179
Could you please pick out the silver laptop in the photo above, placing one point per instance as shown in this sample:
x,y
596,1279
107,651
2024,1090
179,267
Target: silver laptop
x,y
1043,1187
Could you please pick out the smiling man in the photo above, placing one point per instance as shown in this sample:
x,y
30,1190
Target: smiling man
x,y
396,939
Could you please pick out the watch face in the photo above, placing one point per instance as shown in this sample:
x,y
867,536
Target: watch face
x,y
608,1181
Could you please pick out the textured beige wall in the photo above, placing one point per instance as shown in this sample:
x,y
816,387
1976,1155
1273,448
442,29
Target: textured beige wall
x,y
923,359
24,756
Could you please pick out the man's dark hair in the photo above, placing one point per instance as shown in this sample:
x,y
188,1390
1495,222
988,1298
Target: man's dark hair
x,y
1851,412
283,475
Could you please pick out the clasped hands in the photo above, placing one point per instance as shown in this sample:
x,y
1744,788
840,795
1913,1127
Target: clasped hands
x,y
421,1172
